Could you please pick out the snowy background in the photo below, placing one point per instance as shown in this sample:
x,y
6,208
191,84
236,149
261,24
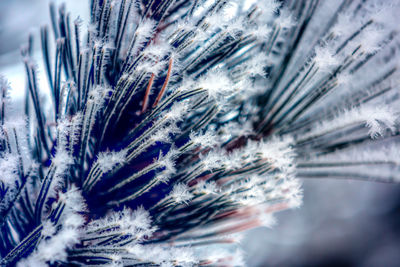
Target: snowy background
x,y
341,223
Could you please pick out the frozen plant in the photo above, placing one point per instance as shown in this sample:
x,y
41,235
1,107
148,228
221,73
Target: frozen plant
x,y
172,126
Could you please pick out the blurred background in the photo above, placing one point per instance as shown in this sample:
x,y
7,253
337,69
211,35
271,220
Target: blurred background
x,y
341,223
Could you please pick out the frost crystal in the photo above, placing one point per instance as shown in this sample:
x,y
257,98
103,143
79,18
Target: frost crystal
x,y
180,193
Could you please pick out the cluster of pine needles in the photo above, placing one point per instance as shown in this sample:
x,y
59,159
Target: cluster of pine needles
x,y
171,126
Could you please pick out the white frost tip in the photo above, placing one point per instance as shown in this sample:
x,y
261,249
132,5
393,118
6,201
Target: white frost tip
x,y
180,193
108,160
